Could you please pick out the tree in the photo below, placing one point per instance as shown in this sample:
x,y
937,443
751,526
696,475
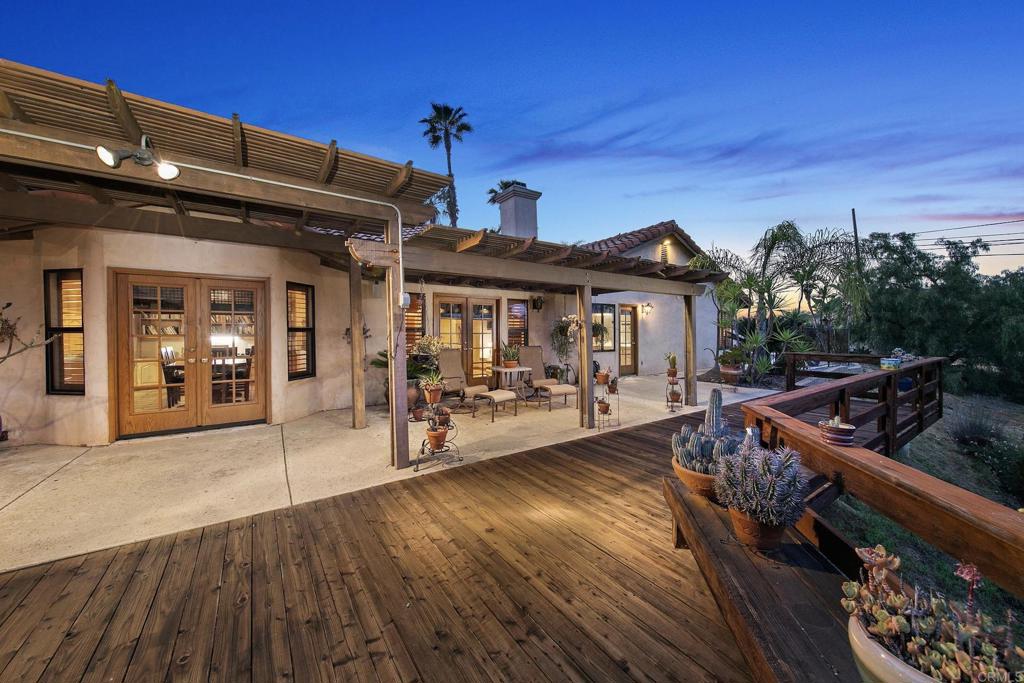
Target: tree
x,y
445,125
15,344
492,194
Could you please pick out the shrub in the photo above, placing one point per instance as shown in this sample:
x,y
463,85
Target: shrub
x,y
1006,458
973,427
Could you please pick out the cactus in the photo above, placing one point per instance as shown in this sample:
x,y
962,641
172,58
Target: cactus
x,y
764,484
701,450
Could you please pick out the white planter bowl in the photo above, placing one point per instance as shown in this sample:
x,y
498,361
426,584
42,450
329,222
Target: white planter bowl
x,y
875,663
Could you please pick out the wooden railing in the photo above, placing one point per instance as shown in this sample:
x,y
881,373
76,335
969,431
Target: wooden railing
x,y
965,525
794,360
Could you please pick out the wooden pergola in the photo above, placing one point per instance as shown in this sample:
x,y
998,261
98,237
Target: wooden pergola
x,y
244,184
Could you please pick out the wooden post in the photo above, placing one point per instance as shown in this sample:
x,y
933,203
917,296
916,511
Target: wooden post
x,y
355,302
892,412
398,400
690,350
790,372
583,305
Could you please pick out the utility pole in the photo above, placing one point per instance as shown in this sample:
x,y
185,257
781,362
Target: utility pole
x,y
856,244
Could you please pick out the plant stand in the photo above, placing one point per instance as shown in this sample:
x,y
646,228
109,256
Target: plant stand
x,y
612,417
449,451
673,385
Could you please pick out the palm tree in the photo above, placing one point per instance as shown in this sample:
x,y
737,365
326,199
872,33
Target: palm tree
x,y
503,185
445,124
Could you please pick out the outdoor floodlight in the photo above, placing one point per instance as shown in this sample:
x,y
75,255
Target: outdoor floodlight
x,y
143,156
112,158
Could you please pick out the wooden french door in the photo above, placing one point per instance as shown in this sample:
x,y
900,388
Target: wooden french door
x,y
628,340
191,352
470,325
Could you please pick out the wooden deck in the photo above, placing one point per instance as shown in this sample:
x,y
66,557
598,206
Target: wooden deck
x,y
551,564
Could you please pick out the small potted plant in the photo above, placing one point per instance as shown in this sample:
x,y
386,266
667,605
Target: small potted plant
x,y
613,385
836,432
443,416
674,394
417,413
602,376
509,355
603,406
764,491
696,453
730,365
436,435
671,359
433,385
904,635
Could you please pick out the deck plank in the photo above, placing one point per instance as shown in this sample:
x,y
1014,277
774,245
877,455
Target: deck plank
x,y
546,565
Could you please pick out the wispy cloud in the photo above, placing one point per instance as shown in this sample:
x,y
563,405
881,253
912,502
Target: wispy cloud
x,y
674,189
926,198
974,216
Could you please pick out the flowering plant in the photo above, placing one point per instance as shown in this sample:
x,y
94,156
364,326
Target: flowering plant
x,y
428,346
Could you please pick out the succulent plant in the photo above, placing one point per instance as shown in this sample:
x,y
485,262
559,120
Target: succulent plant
x,y
767,485
939,637
701,450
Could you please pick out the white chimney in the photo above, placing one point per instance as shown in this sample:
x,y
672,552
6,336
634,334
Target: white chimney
x,y
518,211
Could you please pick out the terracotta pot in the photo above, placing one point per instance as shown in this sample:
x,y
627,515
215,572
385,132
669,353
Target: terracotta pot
x,y
671,372
836,435
603,407
417,414
412,394
444,419
436,437
602,377
730,373
613,388
701,484
673,381
434,395
675,396
509,363
875,663
753,533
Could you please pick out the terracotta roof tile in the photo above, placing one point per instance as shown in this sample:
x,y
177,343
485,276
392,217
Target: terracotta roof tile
x,y
625,241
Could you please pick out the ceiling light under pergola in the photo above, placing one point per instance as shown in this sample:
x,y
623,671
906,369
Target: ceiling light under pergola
x,y
143,156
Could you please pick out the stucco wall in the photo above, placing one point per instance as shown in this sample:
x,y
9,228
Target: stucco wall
x,y
33,416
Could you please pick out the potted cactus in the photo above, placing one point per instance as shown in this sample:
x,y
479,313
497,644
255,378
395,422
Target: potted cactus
x,y
696,453
433,384
509,355
911,636
764,491
443,416
436,435
671,359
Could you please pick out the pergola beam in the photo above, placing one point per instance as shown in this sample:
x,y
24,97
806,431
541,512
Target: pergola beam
x,y
518,249
471,241
9,109
560,255
327,167
123,113
202,176
9,183
400,180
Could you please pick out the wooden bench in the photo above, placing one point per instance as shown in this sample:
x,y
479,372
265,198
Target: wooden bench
x,y
783,608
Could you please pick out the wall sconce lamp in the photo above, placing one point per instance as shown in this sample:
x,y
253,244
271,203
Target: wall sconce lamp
x,y
538,303
143,156
647,308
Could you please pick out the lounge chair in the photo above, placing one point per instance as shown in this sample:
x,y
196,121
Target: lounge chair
x,y
546,388
449,364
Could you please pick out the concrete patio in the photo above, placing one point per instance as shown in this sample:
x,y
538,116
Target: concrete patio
x,y
58,501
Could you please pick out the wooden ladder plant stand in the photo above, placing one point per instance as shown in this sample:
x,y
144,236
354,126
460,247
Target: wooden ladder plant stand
x,y
783,608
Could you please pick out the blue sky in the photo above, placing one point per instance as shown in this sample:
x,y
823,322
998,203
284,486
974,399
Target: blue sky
x,y
727,118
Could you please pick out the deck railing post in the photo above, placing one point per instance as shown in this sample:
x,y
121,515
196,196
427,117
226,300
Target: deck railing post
x,y
892,414
790,372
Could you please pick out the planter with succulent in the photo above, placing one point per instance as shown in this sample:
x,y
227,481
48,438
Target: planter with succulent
x,y
730,365
764,491
671,359
509,355
910,636
436,435
836,432
602,376
613,385
696,453
433,385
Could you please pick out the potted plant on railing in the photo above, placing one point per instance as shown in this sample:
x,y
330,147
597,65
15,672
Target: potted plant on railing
x,y
433,385
912,636
509,355
602,376
764,491
671,359
730,365
836,432
696,453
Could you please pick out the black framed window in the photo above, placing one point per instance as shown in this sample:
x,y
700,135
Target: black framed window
x,y
64,311
518,322
604,314
301,331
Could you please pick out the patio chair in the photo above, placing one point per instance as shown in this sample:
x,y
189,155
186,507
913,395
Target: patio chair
x,y
449,364
546,388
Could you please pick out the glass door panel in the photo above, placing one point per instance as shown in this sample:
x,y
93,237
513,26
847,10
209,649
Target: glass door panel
x,y
627,340
232,365
450,316
482,341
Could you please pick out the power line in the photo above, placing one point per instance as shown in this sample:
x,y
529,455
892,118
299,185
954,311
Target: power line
x,y
965,227
981,235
